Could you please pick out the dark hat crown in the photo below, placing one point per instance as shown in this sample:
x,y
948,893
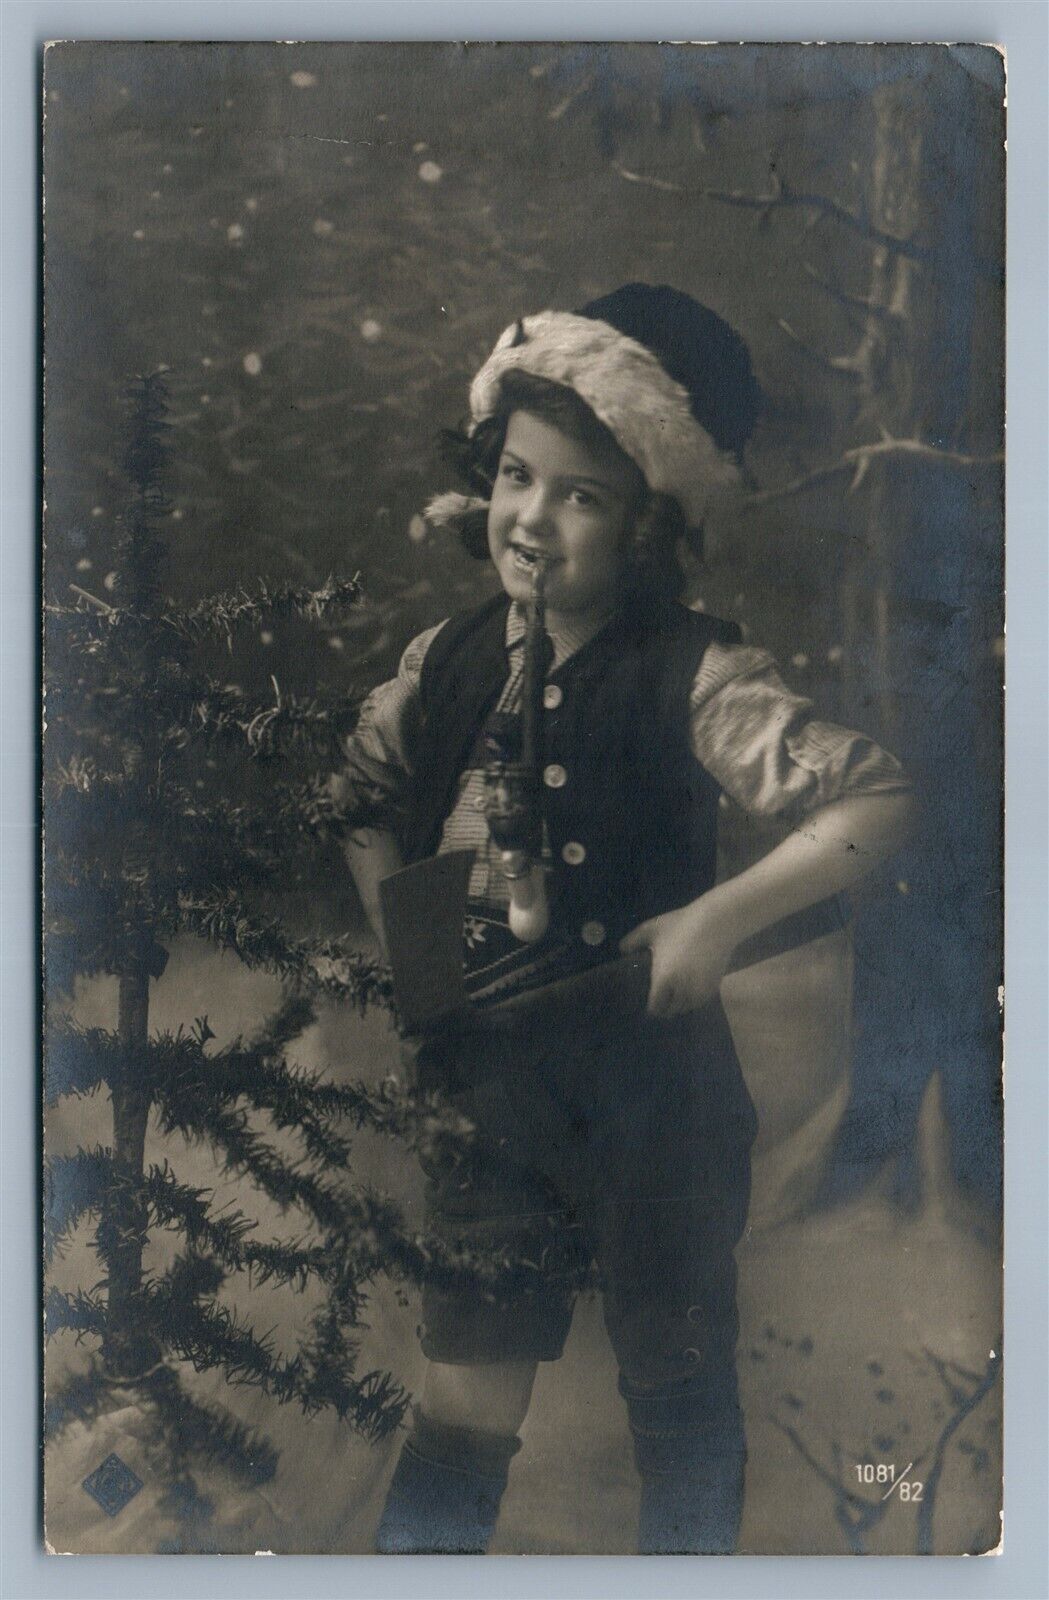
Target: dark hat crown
x,y
696,347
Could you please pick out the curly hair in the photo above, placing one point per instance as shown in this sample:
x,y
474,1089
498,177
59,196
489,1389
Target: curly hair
x,y
659,524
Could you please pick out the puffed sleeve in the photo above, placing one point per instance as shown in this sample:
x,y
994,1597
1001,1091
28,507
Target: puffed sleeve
x,y
763,745
371,788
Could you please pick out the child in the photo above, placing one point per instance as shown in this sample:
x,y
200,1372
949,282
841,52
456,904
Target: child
x,y
597,441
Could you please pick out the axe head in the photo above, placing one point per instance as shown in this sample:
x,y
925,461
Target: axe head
x,y
422,913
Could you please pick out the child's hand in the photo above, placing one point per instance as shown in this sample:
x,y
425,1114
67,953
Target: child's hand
x,y
690,955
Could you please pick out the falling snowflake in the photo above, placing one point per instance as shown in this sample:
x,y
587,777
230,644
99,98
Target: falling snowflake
x,y
235,233
370,330
417,529
323,228
800,660
303,80
252,363
430,172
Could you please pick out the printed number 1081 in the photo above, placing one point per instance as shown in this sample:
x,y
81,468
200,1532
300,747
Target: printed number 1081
x,y
885,1472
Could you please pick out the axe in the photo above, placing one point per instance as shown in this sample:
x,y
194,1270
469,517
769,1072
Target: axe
x,y
423,907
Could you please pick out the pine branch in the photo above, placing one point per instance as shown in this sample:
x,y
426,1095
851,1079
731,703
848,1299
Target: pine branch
x,y
77,1312
90,617
194,1431
77,1061
321,966
173,1203
223,613
213,1335
295,1013
371,1232
74,1186
246,1151
376,1403
222,713
299,1098
81,1398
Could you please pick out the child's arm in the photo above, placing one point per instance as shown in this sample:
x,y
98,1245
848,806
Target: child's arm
x,y
371,855
370,790
774,758
833,850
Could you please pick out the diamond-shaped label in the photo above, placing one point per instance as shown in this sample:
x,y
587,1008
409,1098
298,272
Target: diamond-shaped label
x,y
112,1484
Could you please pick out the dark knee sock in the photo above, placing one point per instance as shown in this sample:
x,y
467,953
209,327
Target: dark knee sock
x,y
445,1492
690,1453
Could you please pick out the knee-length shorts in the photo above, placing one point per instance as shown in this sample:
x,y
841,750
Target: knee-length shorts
x,y
628,1159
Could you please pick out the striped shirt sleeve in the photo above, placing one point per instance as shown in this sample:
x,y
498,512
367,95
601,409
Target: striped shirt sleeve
x,y
762,744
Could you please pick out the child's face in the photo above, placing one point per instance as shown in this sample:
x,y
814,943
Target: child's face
x,y
568,502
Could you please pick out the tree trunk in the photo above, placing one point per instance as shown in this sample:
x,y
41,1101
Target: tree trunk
x,y
127,1349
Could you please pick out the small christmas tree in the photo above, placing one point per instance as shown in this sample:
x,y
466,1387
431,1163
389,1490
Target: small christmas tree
x,y
143,848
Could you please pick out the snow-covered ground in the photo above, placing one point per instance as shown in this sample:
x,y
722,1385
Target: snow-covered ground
x,y
866,1332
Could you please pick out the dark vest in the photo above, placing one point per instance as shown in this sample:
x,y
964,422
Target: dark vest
x,y
631,814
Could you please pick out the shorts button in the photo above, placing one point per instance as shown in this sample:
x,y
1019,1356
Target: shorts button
x,y
574,853
552,696
555,776
593,932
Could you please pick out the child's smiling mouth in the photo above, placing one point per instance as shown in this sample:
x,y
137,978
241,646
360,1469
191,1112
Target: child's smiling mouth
x,y
529,558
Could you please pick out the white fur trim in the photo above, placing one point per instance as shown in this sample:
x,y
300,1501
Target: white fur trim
x,y
450,510
627,388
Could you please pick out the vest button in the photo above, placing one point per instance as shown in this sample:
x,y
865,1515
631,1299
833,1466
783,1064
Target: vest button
x,y
555,776
574,853
552,696
593,932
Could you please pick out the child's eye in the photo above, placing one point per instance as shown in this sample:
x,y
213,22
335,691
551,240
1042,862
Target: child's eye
x,y
582,497
516,474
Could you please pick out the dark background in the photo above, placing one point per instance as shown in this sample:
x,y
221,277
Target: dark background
x,y
322,242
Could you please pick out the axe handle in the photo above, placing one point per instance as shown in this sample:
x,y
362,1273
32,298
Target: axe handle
x,y
593,999
602,997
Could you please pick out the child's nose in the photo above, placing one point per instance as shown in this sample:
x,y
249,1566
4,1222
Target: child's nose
x,y
533,514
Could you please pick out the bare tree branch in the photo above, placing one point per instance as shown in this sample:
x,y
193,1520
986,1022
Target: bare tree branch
x,y
964,1403
858,460
853,1512
650,183
863,303
781,197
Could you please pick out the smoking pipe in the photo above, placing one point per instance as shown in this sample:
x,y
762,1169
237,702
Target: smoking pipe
x,y
513,787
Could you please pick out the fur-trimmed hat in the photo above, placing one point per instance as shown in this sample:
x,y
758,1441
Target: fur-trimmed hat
x,y
668,378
